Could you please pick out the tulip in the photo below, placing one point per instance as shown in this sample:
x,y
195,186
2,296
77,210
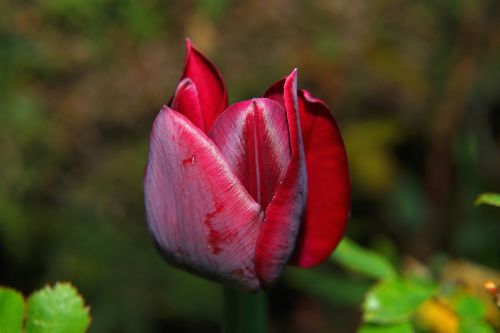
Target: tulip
x,y
234,193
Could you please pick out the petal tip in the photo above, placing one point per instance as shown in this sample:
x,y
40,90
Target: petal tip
x,y
209,83
164,108
291,80
185,83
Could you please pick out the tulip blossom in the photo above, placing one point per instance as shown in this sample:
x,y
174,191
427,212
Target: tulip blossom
x,y
235,192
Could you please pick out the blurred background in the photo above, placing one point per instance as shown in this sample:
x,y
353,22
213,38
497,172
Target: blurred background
x,y
414,85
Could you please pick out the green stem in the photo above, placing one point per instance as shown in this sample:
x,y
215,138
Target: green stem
x,y
244,313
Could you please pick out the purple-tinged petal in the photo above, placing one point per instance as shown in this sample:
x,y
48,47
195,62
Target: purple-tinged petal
x,y
277,238
208,80
186,101
253,138
198,212
329,190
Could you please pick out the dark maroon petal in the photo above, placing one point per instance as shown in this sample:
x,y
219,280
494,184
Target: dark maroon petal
x,y
277,238
329,191
328,201
198,212
275,92
186,101
209,84
253,138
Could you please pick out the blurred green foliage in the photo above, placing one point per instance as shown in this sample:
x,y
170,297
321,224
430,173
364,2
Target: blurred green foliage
x,y
395,300
488,199
413,85
352,256
394,328
399,303
472,313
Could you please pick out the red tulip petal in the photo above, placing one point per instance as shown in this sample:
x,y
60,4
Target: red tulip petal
x,y
328,201
186,101
277,238
209,83
198,212
253,138
329,190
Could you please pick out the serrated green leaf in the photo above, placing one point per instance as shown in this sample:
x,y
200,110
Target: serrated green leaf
x,y
57,310
11,311
356,258
395,300
492,199
395,328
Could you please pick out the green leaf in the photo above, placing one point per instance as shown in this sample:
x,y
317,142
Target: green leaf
x,y
57,310
395,300
356,258
397,328
492,199
11,311
474,327
470,307
471,312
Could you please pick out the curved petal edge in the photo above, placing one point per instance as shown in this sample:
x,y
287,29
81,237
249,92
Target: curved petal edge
x,y
186,101
277,238
329,191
